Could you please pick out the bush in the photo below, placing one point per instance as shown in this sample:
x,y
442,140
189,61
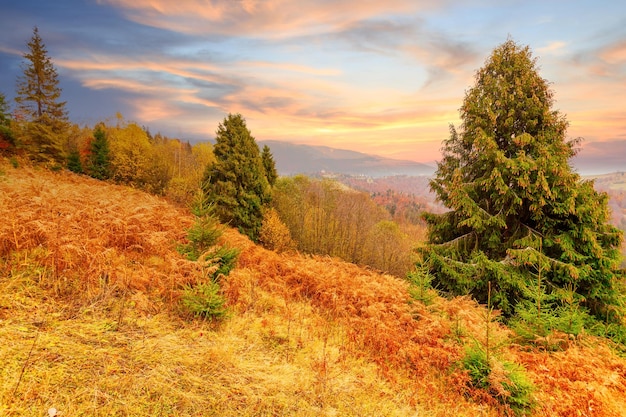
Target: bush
x,y
204,301
420,287
219,261
201,236
204,233
505,381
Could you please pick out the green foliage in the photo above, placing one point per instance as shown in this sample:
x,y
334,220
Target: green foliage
x,y
38,89
421,289
201,236
269,165
205,231
37,99
204,301
550,319
236,181
7,138
220,261
73,162
519,216
42,139
202,242
616,332
99,161
506,381
5,116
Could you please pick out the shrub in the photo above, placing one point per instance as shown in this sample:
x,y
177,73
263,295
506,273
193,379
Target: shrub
x,y
505,381
205,301
219,261
420,287
205,231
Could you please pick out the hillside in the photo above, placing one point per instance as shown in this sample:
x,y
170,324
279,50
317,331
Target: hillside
x,y
615,186
91,325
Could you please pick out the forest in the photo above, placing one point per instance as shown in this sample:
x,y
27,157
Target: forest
x,y
514,269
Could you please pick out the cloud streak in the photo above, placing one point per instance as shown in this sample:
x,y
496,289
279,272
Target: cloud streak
x,y
268,19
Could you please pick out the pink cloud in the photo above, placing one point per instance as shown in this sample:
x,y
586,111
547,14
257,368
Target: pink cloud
x,y
263,18
615,54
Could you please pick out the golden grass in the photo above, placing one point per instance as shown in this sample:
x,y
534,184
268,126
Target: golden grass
x,y
89,325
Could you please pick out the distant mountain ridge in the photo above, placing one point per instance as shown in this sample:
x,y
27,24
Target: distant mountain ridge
x,y
294,159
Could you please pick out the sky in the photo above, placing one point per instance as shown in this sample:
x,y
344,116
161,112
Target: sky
x,y
380,77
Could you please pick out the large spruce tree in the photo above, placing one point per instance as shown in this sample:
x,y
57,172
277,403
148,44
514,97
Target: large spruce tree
x,y
236,181
38,103
522,225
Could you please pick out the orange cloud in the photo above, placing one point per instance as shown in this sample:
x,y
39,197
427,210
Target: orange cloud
x,y
263,18
553,47
615,54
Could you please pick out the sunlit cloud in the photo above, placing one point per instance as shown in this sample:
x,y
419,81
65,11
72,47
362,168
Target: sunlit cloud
x,y
272,19
379,77
615,54
552,47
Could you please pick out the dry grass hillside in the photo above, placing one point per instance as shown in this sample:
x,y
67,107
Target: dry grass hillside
x,y
90,325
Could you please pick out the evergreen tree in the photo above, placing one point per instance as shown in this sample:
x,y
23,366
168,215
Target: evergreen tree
x,y
7,139
99,164
519,217
269,165
236,180
37,98
73,162
5,116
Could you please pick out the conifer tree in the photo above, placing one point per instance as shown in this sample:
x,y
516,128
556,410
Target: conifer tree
x,y
99,164
74,163
37,99
269,165
5,117
519,216
235,182
7,139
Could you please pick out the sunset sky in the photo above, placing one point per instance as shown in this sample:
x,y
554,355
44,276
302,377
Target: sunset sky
x,y
381,77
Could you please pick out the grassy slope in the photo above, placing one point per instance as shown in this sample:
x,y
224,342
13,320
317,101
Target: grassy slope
x,y
89,324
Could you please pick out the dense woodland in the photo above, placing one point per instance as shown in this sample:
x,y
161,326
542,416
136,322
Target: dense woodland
x,y
512,227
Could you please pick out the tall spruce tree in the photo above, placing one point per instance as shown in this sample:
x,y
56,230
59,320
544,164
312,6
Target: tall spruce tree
x,y
37,99
236,180
269,165
519,217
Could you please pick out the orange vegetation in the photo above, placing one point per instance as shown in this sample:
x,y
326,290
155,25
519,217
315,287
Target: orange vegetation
x,y
95,241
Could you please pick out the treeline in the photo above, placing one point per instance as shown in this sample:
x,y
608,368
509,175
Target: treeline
x,y
122,152
38,128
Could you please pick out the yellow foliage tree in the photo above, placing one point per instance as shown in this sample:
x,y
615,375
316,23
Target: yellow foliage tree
x,y
130,154
274,234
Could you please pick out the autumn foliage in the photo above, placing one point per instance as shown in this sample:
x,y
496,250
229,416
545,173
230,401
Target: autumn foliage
x,y
75,251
